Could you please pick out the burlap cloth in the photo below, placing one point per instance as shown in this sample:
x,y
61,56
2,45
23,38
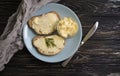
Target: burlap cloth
x,y
11,39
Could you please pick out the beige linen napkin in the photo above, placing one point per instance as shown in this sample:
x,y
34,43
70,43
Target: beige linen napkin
x,y
11,39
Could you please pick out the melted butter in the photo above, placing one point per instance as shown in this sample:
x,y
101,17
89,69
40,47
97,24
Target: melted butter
x,y
45,23
59,42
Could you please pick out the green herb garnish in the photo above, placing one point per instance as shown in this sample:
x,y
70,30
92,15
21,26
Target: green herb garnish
x,y
49,42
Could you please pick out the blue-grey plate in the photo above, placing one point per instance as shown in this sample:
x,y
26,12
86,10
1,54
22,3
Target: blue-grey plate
x,y
72,44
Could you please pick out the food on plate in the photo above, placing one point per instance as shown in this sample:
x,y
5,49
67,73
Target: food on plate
x,y
48,45
67,27
45,23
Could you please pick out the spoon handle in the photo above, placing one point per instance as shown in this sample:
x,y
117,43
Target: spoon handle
x,y
89,34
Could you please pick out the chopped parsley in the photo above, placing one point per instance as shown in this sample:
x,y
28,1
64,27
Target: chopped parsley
x,y
50,42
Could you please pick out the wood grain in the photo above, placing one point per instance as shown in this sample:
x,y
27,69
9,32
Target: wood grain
x,y
99,56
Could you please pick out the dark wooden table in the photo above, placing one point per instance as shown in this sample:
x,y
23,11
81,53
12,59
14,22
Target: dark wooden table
x,y
101,52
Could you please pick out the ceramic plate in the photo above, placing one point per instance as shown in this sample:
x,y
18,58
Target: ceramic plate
x,y
72,44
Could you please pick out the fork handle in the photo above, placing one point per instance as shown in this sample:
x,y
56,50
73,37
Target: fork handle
x,y
66,61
